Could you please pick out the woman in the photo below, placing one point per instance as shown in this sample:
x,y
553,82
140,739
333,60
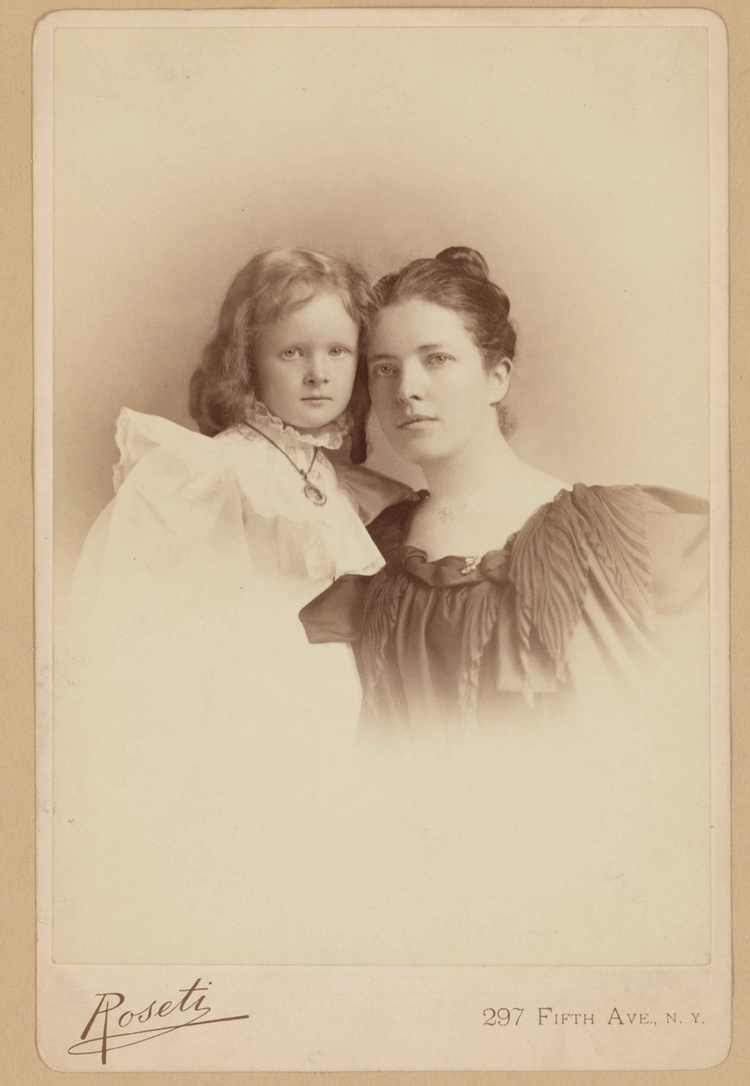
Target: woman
x,y
506,591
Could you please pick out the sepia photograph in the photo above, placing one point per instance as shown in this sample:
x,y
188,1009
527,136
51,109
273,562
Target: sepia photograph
x,y
382,505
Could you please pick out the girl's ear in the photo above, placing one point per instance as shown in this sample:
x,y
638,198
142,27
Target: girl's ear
x,y
500,379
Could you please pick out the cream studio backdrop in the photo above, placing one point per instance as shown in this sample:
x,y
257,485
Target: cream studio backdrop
x,y
582,155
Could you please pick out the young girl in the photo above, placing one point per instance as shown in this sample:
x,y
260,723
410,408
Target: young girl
x,y
207,730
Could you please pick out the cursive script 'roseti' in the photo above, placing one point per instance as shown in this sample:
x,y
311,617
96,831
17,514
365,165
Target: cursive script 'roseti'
x,y
107,1029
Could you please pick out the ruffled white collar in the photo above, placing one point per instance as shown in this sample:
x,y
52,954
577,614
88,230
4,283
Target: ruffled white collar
x,y
327,437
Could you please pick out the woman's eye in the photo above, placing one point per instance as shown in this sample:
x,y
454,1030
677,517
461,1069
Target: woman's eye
x,y
291,352
383,369
339,352
438,359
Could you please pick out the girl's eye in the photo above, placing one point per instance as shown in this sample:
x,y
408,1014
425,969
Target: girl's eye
x,y
339,352
383,369
291,352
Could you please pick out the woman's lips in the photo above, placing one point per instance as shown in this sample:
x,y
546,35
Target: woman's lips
x,y
415,422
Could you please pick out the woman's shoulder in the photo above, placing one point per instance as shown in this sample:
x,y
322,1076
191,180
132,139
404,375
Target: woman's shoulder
x,y
646,545
609,560
604,513
677,536
652,500
650,516
388,530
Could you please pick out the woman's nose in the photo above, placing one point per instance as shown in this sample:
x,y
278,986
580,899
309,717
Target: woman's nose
x,y
409,386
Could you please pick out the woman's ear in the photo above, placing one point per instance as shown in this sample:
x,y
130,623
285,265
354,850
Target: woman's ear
x,y
500,379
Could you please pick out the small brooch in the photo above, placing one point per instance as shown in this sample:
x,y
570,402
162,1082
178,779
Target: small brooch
x,y
471,564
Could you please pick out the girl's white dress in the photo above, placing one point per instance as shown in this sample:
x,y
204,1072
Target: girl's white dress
x,y
199,738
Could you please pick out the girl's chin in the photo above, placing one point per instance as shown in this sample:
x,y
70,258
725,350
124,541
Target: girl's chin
x,y
308,429
313,421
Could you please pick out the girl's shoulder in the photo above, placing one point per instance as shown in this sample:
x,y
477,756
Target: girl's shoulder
x,y
158,455
247,488
172,468
371,493
138,435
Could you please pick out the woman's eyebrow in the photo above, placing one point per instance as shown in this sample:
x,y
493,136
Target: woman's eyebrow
x,y
422,347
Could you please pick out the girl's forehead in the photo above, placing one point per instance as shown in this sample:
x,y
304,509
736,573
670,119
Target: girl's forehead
x,y
316,311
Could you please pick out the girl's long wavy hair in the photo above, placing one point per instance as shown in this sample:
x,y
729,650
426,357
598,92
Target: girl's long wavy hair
x,y
270,285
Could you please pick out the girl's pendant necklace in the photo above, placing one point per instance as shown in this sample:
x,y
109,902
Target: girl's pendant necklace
x,y
312,493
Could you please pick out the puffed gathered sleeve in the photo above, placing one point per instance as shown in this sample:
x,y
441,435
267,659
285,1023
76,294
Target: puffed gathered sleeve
x,y
646,588
176,498
337,614
678,537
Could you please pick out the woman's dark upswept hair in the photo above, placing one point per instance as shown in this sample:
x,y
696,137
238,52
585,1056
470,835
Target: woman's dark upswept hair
x,y
458,279
271,285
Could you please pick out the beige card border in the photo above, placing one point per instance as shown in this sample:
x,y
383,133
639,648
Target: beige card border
x,y
19,1055
417,1017
58,987
95,979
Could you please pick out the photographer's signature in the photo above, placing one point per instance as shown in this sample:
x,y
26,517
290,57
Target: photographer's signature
x,y
112,1027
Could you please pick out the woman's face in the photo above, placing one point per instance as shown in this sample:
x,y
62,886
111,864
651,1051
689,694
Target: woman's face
x,y
428,384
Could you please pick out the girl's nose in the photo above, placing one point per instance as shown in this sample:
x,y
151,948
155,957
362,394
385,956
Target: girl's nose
x,y
317,370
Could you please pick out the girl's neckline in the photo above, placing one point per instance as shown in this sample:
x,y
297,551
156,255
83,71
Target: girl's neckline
x,y
327,437
472,561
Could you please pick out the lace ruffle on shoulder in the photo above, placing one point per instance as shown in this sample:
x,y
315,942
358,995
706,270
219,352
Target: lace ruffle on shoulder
x,y
256,481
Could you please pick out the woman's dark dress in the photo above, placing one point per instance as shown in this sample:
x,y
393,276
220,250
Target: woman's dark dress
x,y
580,593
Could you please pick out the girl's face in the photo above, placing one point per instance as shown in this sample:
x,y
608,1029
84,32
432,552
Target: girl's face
x,y
428,384
304,365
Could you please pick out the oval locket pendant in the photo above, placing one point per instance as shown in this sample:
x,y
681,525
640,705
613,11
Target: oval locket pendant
x,y
314,494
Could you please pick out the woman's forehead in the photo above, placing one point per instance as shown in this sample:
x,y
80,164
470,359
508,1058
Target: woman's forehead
x,y
417,319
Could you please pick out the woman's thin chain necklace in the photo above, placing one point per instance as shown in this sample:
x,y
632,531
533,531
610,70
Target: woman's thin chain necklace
x,y
312,492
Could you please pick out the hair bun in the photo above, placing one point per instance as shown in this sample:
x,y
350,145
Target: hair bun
x,y
469,260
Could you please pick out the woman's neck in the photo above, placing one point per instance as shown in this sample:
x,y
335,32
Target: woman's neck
x,y
479,497
486,465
